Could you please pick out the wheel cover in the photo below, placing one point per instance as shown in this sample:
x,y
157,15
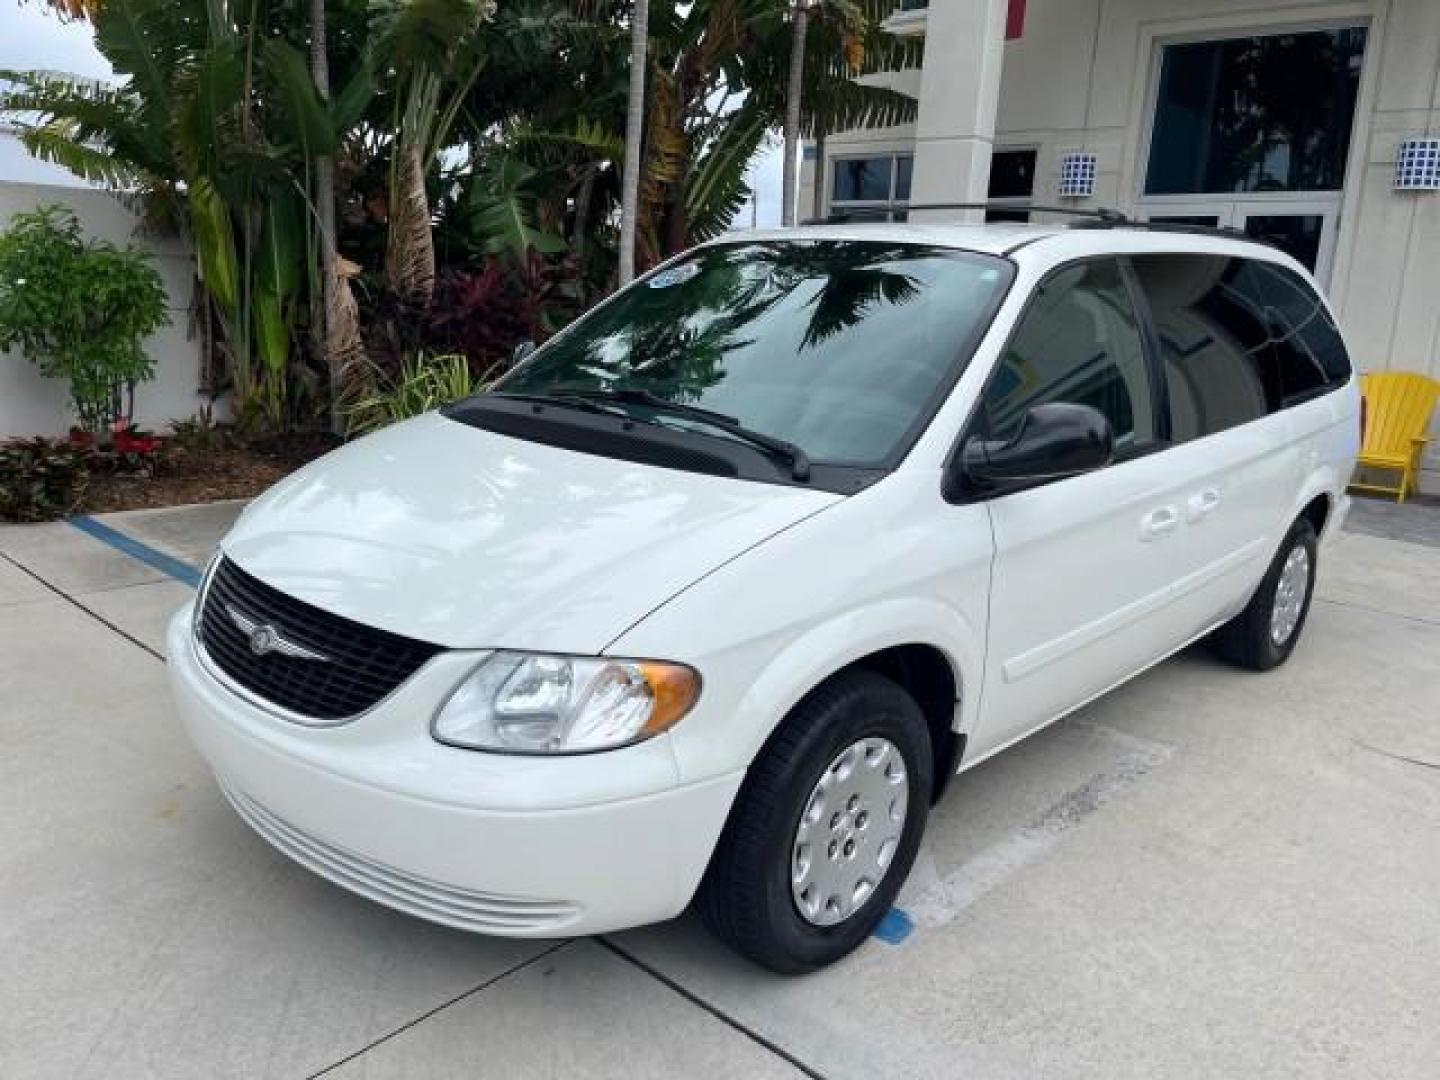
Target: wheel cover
x,y
849,831
1290,595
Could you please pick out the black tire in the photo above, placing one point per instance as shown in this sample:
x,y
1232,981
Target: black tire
x,y
1247,640
746,896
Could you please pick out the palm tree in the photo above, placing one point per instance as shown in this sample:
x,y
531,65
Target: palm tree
x,y
634,127
719,74
846,39
435,50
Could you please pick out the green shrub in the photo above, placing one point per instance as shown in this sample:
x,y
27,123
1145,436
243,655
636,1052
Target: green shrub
x,y
41,479
422,385
79,310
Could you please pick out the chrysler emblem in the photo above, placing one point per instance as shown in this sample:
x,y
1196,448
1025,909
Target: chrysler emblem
x,y
264,639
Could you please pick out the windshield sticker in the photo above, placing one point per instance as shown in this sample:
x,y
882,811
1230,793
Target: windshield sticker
x,y
676,275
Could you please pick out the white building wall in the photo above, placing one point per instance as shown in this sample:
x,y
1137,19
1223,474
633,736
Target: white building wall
x,y
1083,77
33,405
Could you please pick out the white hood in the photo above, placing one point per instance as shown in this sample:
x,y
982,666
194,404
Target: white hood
x,y
458,536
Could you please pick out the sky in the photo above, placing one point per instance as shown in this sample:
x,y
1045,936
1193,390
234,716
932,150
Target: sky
x,y
31,37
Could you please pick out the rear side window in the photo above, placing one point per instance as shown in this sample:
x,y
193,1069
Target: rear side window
x,y
1079,341
1310,353
1239,339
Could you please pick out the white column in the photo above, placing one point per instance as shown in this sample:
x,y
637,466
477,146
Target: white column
x,y
959,94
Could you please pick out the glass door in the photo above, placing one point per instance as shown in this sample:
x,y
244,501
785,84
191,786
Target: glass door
x,y
1306,233
1305,229
1253,132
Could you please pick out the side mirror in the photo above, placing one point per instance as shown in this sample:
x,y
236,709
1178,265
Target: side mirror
x,y
1055,440
521,352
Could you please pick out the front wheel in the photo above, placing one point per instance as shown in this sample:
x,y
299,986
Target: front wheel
x,y
825,827
1263,635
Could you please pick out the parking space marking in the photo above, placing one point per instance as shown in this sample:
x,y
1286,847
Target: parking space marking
x,y
128,545
932,900
895,927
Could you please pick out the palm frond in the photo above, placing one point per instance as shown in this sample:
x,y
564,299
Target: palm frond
x,y
500,209
586,140
57,144
720,173
307,119
844,105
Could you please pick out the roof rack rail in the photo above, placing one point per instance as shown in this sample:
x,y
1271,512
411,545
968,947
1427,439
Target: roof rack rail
x,y
1103,216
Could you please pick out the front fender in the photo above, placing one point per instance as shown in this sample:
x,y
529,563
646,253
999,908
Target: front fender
x,y
833,645
891,566
749,687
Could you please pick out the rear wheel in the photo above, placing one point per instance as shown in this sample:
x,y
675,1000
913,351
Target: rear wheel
x,y
1263,635
825,827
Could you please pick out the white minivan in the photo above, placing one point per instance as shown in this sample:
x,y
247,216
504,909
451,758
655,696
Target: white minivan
x,y
712,594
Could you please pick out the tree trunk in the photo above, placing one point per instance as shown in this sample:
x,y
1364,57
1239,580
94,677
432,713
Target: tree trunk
x,y
634,130
790,181
410,257
580,235
324,196
817,196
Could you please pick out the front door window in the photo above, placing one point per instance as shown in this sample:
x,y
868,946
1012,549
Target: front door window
x,y
1079,341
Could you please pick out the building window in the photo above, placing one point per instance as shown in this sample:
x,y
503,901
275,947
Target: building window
x,y
913,5
871,188
1256,114
1012,180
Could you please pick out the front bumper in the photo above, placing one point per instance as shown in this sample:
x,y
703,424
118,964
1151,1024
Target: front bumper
x,y
516,846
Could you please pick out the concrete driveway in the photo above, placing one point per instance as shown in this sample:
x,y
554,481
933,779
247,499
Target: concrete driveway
x,y
1208,873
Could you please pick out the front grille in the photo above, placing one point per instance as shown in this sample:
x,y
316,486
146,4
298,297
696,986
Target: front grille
x,y
362,664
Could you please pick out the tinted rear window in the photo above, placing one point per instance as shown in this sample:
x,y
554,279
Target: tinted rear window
x,y
1239,339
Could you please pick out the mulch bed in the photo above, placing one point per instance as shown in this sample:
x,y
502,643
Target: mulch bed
x,y
228,469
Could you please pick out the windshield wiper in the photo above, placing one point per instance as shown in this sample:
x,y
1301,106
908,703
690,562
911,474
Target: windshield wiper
x,y
787,452
583,403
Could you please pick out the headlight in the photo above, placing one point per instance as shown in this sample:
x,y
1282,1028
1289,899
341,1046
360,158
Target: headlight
x,y
530,703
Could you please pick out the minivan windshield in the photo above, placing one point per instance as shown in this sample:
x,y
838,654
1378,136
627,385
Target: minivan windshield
x,y
840,348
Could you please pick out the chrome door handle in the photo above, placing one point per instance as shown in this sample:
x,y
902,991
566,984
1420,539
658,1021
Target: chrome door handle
x,y
1202,505
1159,522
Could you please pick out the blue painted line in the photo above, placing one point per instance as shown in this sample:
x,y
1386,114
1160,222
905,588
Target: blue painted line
x,y
157,560
894,928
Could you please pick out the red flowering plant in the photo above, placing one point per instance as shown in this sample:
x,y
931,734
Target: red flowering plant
x,y
134,449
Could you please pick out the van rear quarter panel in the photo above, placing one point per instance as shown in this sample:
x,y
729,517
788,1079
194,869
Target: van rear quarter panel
x,y
1327,435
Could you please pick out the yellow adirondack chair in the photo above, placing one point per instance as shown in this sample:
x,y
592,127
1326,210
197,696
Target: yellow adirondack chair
x,y
1398,406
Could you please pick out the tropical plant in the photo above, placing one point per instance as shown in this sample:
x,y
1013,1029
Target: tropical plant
x,y
212,128
445,137
485,313
79,310
41,479
421,385
844,40
718,76
435,49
